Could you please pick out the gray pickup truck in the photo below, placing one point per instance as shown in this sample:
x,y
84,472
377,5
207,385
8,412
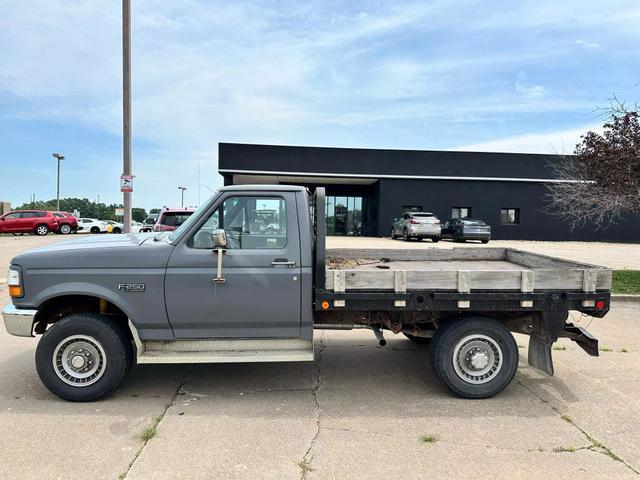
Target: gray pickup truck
x,y
247,278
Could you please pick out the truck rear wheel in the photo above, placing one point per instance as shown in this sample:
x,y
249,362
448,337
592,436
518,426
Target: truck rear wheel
x,y
83,357
474,357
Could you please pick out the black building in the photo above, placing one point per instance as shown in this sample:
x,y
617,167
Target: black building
x,y
367,188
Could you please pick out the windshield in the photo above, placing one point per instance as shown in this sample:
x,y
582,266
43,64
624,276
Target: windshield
x,y
193,218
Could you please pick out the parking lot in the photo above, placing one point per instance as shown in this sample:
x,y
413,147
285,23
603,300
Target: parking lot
x,y
359,411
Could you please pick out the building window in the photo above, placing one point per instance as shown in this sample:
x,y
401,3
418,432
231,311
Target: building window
x,y
344,215
509,216
460,212
412,208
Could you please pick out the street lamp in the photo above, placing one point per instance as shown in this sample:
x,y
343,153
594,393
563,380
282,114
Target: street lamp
x,y
182,189
59,157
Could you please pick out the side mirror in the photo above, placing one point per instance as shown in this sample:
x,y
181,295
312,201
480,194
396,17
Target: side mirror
x,y
219,238
396,219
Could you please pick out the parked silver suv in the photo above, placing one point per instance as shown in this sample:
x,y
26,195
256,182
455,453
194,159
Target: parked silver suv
x,y
417,225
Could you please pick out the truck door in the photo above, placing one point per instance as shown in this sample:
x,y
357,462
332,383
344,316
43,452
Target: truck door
x,y
260,297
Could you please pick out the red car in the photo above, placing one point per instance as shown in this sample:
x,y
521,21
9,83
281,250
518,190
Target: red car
x,y
171,218
67,223
28,221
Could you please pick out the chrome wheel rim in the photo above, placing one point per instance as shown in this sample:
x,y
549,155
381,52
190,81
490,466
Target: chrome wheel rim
x,y
41,230
79,360
65,229
477,359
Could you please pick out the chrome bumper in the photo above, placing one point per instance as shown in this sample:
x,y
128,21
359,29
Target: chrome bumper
x,y
18,321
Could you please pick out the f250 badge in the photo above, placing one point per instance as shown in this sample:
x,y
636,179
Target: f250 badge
x,y
131,287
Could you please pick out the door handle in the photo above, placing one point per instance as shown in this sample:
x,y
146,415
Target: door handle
x,y
282,262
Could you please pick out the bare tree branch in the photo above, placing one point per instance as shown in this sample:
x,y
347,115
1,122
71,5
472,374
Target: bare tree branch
x,y
601,182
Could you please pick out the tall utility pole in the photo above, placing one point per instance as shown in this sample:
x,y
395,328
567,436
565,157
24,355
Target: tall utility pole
x,y
126,107
59,157
182,189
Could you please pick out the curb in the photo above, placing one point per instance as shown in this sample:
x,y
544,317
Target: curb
x,y
625,300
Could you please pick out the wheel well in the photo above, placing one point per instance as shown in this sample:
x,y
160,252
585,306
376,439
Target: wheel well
x,y
59,307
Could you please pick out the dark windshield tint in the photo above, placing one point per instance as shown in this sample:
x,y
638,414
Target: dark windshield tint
x,y
422,215
175,219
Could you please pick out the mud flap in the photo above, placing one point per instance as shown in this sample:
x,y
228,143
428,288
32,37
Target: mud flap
x,y
540,355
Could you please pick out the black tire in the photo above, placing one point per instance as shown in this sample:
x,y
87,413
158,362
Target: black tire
x,y
405,235
446,342
41,230
94,230
65,229
108,339
117,230
485,241
435,239
418,340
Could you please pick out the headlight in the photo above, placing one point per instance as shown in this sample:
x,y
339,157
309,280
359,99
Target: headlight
x,y
14,280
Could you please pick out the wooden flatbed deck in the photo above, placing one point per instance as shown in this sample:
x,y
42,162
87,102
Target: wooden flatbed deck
x,y
459,269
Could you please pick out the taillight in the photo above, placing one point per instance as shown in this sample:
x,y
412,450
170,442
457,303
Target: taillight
x,y
414,221
600,305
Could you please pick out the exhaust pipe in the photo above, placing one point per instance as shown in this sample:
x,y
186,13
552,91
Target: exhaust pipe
x,y
379,336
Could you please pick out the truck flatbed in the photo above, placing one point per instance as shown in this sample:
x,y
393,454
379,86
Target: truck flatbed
x,y
458,269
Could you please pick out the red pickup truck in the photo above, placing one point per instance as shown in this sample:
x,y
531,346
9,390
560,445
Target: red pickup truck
x,y
39,222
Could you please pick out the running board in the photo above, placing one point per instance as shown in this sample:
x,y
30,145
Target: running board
x,y
225,351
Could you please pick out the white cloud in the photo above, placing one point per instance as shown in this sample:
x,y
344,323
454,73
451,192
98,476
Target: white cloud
x,y
585,44
556,142
530,92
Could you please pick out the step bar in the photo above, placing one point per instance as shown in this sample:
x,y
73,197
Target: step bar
x,y
225,351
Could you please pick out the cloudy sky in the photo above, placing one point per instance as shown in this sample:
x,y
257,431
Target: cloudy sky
x,y
521,76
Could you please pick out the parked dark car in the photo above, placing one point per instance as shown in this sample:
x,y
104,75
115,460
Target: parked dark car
x,y
463,229
67,223
39,222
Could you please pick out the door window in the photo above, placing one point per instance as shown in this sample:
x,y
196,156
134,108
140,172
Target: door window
x,y
12,216
249,222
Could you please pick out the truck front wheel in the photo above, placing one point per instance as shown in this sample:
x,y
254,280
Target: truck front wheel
x,y
84,357
474,357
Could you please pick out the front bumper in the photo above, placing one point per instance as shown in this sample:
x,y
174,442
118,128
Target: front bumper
x,y
18,321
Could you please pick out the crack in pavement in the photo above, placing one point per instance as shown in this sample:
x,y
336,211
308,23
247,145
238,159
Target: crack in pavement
x,y
307,458
448,442
159,419
596,446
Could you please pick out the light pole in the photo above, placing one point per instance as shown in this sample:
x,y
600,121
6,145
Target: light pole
x,y
59,157
126,108
182,189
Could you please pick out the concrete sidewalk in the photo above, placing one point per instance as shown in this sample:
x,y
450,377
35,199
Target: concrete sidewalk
x,y
612,255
